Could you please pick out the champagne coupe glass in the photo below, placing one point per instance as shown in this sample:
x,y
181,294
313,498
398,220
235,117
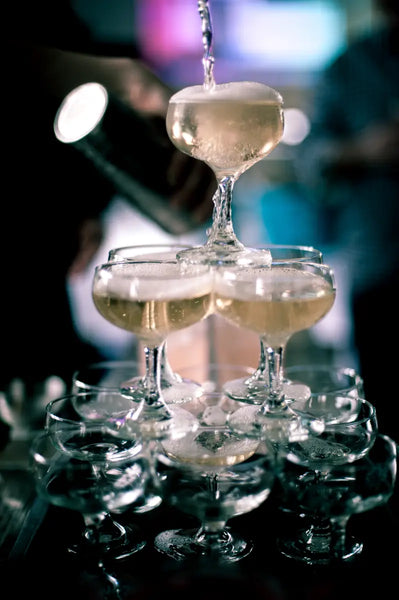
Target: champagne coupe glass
x,y
229,126
92,490
151,299
349,431
303,380
214,474
327,504
106,377
85,468
174,387
274,301
118,471
252,389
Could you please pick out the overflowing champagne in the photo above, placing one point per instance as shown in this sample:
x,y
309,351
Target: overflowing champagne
x,y
230,127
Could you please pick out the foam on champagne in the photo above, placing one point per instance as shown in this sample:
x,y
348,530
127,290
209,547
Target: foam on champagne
x,y
153,299
268,284
224,92
276,304
154,281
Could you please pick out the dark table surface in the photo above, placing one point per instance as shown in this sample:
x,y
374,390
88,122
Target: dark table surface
x,y
34,560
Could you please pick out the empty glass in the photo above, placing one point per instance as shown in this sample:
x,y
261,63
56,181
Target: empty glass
x,y
303,380
326,504
80,429
95,487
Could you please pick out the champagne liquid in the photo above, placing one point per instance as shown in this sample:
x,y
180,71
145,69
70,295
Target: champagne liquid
x,y
230,127
216,495
152,299
211,448
291,301
153,320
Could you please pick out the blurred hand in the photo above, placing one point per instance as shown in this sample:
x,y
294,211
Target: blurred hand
x,y
193,185
90,236
189,183
379,144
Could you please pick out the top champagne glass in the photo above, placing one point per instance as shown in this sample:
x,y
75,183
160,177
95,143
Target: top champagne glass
x,y
229,126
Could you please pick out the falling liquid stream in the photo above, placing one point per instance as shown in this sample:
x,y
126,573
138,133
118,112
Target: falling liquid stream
x,y
208,58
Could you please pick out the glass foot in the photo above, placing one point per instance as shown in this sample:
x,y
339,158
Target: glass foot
x,y
181,391
254,390
181,544
145,503
225,254
277,427
177,391
296,392
317,550
117,543
158,422
135,388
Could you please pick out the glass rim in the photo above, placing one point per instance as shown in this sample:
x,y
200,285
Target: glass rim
x,y
69,398
360,400
190,267
150,246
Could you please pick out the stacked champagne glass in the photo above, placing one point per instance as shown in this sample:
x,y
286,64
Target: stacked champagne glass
x,y
216,453
264,411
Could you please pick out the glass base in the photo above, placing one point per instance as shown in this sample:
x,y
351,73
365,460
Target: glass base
x,y
117,543
150,501
158,422
275,426
317,550
175,391
181,391
135,388
253,390
215,254
296,392
182,544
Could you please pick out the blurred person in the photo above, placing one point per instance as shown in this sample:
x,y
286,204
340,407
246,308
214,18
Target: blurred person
x,y
350,164
53,197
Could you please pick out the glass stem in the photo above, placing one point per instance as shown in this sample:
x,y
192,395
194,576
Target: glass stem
x,y
153,396
261,370
213,535
338,536
222,231
168,376
317,538
274,362
101,528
